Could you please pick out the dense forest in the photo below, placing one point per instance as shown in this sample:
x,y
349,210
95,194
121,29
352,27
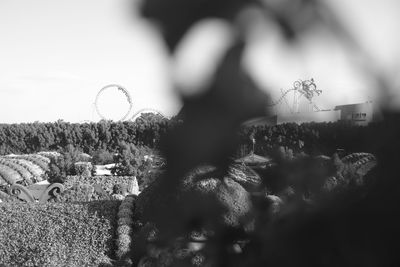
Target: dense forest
x,y
148,130
311,138
88,137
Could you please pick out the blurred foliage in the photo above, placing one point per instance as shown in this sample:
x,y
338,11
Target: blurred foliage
x,y
307,210
327,215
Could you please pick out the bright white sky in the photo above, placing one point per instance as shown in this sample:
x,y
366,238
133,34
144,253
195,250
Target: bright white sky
x,y
55,55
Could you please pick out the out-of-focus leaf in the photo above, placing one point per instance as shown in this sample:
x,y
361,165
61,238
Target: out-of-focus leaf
x,y
211,120
293,16
175,17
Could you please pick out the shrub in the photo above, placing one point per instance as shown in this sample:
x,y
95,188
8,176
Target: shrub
x,y
213,198
125,224
55,234
77,193
83,168
63,165
32,168
38,160
107,183
59,168
102,157
25,174
7,176
130,160
120,189
3,196
83,188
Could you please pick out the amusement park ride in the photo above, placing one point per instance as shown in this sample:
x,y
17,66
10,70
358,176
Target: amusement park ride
x,y
288,102
119,89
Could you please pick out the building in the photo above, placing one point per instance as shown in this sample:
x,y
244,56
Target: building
x,y
358,114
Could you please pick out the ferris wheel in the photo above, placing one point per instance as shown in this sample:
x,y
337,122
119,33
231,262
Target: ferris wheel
x,y
292,97
118,89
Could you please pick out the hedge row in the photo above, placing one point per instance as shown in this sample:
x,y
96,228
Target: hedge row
x,y
38,160
106,182
54,234
124,230
25,174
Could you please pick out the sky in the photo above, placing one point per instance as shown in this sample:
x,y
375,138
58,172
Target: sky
x,y
55,56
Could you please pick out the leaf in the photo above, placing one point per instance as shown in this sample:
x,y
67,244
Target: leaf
x,y
175,17
212,120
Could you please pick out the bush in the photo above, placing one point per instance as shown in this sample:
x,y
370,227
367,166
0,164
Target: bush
x,y
58,169
3,195
64,165
102,157
53,234
213,198
130,160
78,193
125,228
83,168
107,183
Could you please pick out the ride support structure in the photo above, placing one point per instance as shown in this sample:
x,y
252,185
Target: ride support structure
x,y
127,116
292,97
113,87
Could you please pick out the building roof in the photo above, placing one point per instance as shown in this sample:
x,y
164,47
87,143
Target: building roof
x,y
353,105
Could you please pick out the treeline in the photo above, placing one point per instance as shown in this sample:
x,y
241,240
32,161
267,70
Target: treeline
x,y
312,138
28,138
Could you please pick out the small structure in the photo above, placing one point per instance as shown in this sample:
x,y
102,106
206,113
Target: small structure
x,y
253,160
103,170
133,187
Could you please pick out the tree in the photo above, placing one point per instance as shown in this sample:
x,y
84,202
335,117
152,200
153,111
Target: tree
x,y
129,160
64,165
102,157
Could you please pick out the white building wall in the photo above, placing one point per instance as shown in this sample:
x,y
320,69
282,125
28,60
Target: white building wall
x,y
358,114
